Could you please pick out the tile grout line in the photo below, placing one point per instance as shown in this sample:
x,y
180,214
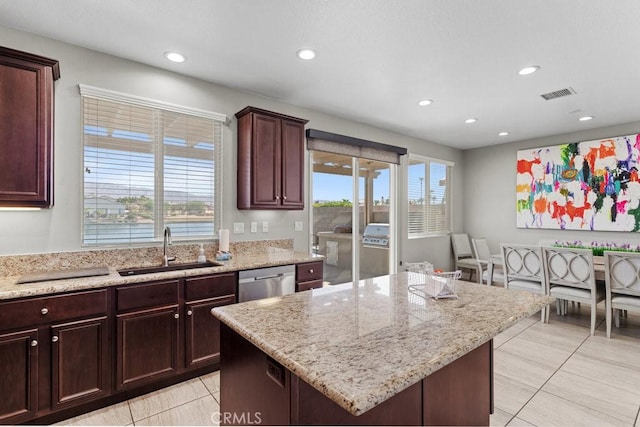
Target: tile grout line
x,y
171,409
555,372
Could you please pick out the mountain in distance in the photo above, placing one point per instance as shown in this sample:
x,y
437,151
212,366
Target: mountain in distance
x,y
117,191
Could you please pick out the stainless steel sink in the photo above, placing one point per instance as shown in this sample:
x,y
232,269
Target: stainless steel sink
x,y
162,268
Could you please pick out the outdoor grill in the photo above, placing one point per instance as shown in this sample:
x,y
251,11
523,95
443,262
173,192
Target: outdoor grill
x,y
376,235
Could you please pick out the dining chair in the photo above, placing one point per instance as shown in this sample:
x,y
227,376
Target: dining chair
x,y
463,255
487,261
523,270
570,276
622,284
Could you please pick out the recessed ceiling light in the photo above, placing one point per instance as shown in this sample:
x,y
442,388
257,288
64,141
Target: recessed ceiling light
x,y
585,118
472,120
503,134
528,70
175,57
424,102
306,54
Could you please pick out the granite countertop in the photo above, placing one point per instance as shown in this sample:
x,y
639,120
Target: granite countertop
x,y
362,344
9,289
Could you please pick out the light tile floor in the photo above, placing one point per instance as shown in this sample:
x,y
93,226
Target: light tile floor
x,y
552,374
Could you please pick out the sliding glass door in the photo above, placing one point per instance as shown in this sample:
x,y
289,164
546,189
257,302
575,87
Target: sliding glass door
x,y
353,202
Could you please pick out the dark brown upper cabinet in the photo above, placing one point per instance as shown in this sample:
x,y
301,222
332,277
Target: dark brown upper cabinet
x,y
270,160
26,128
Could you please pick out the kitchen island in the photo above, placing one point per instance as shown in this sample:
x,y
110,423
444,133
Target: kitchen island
x,y
373,352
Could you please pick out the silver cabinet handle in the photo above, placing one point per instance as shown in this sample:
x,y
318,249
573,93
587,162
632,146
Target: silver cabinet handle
x,y
189,312
44,311
311,271
54,338
284,197
176,316
34,343
277,198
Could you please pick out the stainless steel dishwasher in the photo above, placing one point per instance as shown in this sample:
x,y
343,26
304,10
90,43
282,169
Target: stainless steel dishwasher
x,y
266,282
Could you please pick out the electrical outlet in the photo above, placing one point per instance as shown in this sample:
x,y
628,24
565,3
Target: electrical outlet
x,y
265,226
254,227
298,226
238,227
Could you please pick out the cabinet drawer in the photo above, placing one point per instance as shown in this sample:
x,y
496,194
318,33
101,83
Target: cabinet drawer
x,y
147,295
309,271
35,311
305,286
198,288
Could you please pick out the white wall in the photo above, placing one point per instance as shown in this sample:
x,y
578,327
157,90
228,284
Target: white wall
x,y
58,229
490,192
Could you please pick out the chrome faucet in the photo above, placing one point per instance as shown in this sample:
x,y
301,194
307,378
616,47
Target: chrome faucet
x,y
167,242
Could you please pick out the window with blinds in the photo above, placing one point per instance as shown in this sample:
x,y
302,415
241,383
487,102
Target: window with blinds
x,y
147,165
429,196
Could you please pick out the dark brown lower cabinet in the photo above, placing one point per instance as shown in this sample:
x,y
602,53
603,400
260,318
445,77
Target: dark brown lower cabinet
x,y
69,353
18,376
147,346
80,362
203,331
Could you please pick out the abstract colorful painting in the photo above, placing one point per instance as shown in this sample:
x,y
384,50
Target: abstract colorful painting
x,y
592,185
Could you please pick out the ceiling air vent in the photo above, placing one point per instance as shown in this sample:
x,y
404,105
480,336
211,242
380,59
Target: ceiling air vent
x,y
558,93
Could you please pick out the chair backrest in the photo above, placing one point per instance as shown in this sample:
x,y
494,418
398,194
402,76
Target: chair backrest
x,y
622,272
522,262
569,267
461,246
481,248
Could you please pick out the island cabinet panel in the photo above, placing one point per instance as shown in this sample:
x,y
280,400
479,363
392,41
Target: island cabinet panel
x,y
254,389
18,376
461,392
26,128
270,160
309,406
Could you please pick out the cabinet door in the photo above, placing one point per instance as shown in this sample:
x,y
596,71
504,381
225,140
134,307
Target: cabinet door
x,y
80,362
292,165
147,346
203,331
26,129
266,161
18,376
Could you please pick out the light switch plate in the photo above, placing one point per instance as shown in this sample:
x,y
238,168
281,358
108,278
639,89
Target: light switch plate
x,y
298,226
254,227
265,226
238,227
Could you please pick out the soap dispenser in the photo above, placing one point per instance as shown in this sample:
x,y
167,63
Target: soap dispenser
x,y
201,257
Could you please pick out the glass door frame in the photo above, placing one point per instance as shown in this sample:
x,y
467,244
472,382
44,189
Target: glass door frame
x,y
355,215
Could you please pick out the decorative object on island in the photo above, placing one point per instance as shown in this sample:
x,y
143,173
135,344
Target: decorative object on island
x,y
26,130
270,160
591,185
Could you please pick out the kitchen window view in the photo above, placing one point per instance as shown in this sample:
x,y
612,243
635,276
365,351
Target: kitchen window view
x,y
145,169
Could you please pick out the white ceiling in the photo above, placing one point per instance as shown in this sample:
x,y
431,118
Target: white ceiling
x,y
377,58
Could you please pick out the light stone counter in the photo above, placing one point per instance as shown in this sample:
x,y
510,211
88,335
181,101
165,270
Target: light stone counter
x,y
269,257
360,345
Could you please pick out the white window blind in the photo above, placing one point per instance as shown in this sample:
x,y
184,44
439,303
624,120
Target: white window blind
x,y
429,196
147,166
